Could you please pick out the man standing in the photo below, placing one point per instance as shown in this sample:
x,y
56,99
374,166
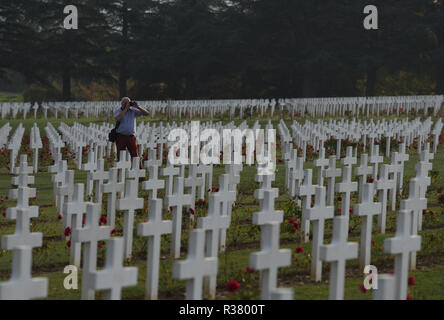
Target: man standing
x,y
127,115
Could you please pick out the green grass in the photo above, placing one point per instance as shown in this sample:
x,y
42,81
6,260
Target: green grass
x,y
10,97
243,237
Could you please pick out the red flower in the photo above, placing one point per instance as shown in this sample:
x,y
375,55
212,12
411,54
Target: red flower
x,y
100,245
68,243
424,211
249,270
441,198
408,297
299,249
350,210
372,180
362,288
171,208
291,219
295,225
102,220
431,212
191,211
4,214
59,217
232,286
339,199
67,231
411,281
113,231
83,221
378,176
392,272
7,197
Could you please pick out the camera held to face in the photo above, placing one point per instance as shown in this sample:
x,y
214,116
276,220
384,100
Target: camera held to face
x,y
132,103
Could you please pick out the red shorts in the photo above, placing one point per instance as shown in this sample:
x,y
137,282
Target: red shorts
x,y
127,142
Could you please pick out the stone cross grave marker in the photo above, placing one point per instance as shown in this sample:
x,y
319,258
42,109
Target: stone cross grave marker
x,y
401,246
90,166
321,163
346,187
270,258
424,181
73,214
331,173
217,220
114,276
192,182
90,234
415,204
375,159
318,214
122,166
177,200
349,159
64,194
383,185
112,188
129,203
169,172
337,253
366,209
135,172
99,176
196,267
154,228
21,284
153,183
362,172
306,191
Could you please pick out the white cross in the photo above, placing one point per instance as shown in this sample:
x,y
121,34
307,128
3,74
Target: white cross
x,y
192,182
130,203
289,166
23,179
73,214
349,159
270,258
346,187
59,176
318,214
114,276
99,176
395,169
90,166
321,163
64,194
21,286
401,246
153,183
196,266
297,175
401,158
122,166
424,181
153,229
425,154
375,159
91,234
362,172
177,200
383,185
306,190
216,221
331,173
338,252
135,172
415,204
112,188
169,172
367,209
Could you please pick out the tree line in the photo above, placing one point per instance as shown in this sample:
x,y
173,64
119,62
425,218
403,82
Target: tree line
x,y
214,49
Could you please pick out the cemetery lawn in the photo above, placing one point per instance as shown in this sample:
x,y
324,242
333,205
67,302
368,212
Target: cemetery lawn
x,y
243,237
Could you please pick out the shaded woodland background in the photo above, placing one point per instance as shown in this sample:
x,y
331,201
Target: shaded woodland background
x,y
218,49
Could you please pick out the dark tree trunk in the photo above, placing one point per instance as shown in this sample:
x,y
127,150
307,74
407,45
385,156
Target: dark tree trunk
x,y
123,73
371,80
308,91
67,82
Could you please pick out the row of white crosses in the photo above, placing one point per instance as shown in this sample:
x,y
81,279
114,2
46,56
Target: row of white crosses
x,y
55,141
365,132
21,284
212,108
